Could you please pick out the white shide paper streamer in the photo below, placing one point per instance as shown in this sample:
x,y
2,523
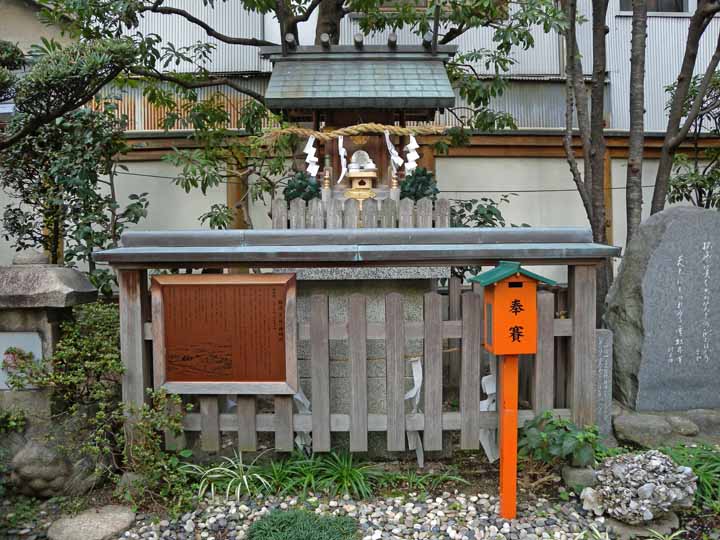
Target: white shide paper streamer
x,y
343,159
411,156
395,158
312,161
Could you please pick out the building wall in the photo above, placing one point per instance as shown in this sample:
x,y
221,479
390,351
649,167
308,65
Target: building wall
x,y
666,39
170,207
19,24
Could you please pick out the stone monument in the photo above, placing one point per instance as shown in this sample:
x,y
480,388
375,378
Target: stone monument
x,y
664,311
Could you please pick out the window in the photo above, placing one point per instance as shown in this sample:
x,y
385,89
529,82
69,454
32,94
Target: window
x,y
658,6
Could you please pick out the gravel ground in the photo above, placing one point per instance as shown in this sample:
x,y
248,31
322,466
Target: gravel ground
x,y
450,516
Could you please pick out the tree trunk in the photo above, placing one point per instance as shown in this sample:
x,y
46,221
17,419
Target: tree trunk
x,y
636,143
698,24
597,119
330,13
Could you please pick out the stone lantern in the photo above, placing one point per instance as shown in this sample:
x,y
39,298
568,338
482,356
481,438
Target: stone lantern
x,y
35,297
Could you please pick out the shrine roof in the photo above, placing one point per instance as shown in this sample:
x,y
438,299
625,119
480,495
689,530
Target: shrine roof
x,y
504,270
373,77
356,247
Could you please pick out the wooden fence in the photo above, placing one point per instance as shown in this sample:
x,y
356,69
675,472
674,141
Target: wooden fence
x,y
350,214
432,420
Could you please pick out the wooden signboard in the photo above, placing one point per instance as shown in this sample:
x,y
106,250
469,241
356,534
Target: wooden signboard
x,y
224,333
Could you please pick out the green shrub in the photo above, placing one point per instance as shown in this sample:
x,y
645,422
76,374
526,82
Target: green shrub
x,y
12,420
84,375
554,440
704,460
419,184
302,186
301,525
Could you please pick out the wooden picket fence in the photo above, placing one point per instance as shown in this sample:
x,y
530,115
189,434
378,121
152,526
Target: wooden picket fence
x,y
350,214
464,330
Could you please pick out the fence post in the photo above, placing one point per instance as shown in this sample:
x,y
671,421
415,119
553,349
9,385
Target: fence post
x,y
134,311
470,372
357,346
279,212
432,343
297,213
583,346
320,365
395,372
543,387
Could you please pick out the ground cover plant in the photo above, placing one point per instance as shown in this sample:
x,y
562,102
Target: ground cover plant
x,y
332,474
553,440
301,525
704,460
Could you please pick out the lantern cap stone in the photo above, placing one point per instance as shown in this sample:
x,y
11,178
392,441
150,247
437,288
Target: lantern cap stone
x,y
25,286
504,270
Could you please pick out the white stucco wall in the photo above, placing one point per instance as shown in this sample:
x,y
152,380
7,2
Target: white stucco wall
x,y
170,207
546,195
19,24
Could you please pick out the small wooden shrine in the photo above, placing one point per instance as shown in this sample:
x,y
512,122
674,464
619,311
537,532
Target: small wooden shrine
x,y
333,86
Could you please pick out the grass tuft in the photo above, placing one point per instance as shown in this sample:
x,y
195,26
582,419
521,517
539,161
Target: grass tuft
x,y
301,525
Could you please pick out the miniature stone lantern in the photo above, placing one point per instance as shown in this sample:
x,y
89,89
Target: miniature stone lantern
x,y
363,176
510,298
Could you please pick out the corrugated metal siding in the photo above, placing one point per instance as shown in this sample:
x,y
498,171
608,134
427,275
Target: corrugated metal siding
x,y
227,17
143,116
665,49
543,59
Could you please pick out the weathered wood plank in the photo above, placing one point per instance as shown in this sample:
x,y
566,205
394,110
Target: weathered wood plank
x,y
158,338
454,314
133,350
370,214
246,423
479,291
470,373
334,214
297,213
583,345
543,394
413,330
279,211
424,217
320,365
351,216
173,441
389,214
432,437
406,218
442,213
357,345
284,431
315,215
561,352
376,422
395,371
209,424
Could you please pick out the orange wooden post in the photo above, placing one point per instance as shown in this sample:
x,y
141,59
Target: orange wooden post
x,y
510,330
508,420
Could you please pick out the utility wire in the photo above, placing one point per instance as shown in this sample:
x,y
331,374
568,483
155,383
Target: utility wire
x,y
507,191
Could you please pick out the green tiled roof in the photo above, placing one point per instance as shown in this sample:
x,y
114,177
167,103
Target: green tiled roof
x,y
505,269
359,81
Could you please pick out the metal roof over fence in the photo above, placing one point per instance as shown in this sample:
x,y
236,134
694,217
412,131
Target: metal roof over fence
x,y
356,247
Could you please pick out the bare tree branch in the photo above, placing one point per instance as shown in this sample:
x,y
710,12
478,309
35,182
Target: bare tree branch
x,y
192,84
157,7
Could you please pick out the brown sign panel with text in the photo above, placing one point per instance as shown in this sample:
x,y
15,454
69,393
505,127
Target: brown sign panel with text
x,y
225,328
